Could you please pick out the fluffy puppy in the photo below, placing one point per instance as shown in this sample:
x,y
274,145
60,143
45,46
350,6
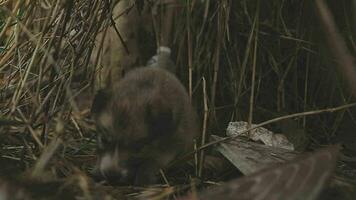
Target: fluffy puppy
x,y
144,121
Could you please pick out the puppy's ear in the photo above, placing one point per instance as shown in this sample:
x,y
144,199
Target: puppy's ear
x,y
101,99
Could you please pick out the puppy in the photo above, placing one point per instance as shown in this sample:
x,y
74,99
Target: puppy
x,y
144,121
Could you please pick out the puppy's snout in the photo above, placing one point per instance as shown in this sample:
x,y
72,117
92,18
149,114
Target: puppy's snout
x,y
114,176
111,169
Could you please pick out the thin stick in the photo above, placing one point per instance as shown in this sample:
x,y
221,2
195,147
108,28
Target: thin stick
x,y
167,183
243,67
196,158
253,76
220,39
46,155
8,21
164,177
190,59
30,129
203,140
315,112
21,85
301,114
306,84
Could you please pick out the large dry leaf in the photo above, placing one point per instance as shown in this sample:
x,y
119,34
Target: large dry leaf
x,y
250,157
301,179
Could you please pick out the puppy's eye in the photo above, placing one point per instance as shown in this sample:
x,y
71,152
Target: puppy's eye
x,y
99,142
103,143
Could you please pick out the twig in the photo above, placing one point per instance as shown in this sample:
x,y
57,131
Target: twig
x,y
190,56
253,75
46,155
315,112
204,136
301,114
30,129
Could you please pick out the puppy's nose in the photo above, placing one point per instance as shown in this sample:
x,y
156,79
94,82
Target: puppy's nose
x,y
111,170
114,176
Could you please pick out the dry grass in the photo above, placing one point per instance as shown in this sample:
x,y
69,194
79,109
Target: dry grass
x,y
240,60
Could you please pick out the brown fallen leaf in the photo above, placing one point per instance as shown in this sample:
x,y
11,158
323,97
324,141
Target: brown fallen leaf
x,y
302,178
250,157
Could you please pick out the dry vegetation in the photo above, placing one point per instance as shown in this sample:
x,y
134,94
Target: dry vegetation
x,y
257,60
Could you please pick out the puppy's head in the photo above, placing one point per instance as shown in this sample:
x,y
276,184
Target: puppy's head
x,y
124,146
132,161
109,165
